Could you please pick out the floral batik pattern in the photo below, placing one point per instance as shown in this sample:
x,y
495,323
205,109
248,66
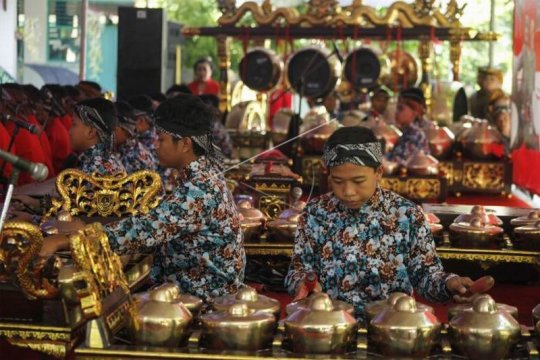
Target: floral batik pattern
x,y
98,159
412,140
195,232
148,139
363,255
136,157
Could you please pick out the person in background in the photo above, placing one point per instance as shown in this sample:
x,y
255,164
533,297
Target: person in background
x,y
489,80
176,90
409,112
499,115
56,130
203,83
219,132
144,121
133,154
89,89
157,98
379,98
364,242
27,145
92,137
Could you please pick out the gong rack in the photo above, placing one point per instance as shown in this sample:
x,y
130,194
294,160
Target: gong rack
x,y
421,20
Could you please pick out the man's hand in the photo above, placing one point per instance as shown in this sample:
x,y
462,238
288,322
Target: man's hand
x,y
16,215
52,244
465,290
307,286
20,201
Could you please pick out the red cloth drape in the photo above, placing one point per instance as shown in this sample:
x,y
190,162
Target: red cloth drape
x,y
526,164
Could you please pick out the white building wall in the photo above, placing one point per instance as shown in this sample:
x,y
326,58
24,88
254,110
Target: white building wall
x,y
8,41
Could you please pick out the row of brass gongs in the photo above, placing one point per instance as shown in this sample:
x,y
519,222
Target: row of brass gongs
x,y
314,71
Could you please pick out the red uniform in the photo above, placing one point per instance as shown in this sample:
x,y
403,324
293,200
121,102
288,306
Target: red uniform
x,y
60,143
27,146
210,87
45,146
4,143
67,120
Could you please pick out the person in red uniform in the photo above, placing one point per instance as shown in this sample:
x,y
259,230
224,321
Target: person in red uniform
x,y
55,129
38,115
203,83
27,145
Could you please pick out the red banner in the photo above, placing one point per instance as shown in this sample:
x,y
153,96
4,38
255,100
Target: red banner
x,y
525,131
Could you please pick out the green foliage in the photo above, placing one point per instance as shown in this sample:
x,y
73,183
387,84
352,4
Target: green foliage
x,y
198,13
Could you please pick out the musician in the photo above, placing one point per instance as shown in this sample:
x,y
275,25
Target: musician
x,y
144,121
409,118
92,137
379,98
203,83
195,230
365,242
133,154
27,145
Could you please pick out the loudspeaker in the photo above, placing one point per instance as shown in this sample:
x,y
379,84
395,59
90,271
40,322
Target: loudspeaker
x,y
146,51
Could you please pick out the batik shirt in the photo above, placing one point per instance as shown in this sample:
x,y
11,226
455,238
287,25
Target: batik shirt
x,y
195,231
135,156
99,160
148,139
412,140
363,255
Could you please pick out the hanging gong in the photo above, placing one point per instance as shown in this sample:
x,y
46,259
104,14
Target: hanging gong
x,y
313,72
362,68
405,71
260,69
246,116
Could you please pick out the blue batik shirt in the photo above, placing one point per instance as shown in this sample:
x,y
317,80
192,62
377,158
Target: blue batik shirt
x,y
148,139
195,232
364,255
412,140
135,156
98,159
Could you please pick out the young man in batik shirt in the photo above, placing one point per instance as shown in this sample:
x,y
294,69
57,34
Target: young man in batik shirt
x,y
362,241
409,118
133,154
144,121
92,137
196,229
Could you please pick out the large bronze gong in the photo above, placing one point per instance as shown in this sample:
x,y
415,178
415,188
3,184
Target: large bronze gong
x,y
405,71
313,72
260,69
362,68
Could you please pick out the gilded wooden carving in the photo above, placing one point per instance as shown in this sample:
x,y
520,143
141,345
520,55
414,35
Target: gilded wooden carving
x,y
423,188
330,13
118,195
20,244
101,269
483,176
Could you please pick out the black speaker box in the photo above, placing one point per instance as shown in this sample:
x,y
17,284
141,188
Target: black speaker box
x,y
146,51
